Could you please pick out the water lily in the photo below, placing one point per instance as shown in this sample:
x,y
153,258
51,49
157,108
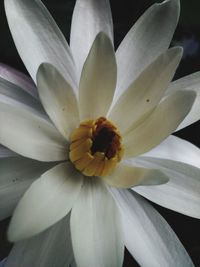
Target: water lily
x,y
93,137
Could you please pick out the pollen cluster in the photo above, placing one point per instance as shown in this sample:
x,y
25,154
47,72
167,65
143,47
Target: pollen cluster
x,y
95,147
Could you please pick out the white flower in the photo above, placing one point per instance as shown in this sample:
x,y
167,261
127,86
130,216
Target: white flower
x,y
107,111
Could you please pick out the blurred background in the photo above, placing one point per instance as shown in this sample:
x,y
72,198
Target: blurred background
x,y
125,13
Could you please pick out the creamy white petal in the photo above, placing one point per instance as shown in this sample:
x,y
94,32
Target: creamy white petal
x,y
17,93
30,135
190,82
96,228
16,175
47,201
89,18
160,124
38,38
149,37
58,99
127,175
148,237
146,91
51,248
18,78
181,193
176,149
98,79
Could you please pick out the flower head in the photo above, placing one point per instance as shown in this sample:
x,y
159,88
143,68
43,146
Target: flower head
x,y
103,112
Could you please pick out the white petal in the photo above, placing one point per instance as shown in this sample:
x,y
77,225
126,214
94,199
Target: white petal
x,y
148,237
17,93
18,78
50,248
146,91
30,135
89,18
177,149
47,201
160,124
17,174
58,99
98,79
190,82
127,175
37,37
148,38
181,193
96,228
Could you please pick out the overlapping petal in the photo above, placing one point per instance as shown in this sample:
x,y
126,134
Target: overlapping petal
x,y
98,79
5,152
48,200
96,228
127,175
147,39
27,133
58,99
160,124
177,149
146,91
50,248
17,174
188,83
89,18
38,39
181,193
148,237
15,92
18,78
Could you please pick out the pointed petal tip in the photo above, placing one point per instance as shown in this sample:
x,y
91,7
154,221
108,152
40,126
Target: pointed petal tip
x,y
177,50
169,5
191,96
157,178
103,36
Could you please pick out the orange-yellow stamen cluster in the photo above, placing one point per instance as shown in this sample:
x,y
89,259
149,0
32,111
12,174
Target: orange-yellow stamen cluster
x,y
95,147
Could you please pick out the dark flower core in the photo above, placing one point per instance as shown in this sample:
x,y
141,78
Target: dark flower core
x,y
95,147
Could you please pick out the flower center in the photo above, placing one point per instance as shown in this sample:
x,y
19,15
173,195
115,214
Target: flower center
x,y
95,147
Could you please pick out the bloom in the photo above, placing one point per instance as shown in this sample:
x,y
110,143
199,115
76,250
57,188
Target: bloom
x,y
89,95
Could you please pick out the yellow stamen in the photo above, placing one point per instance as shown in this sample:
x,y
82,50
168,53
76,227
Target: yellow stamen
x,y
83,162
94,165
81,132
79,151
96,147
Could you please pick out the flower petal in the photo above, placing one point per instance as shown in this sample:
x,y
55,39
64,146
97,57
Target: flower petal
x,y
50,248
18,78
38,38
47,201
181,193
148,38
96,228
17,174
160,124
58,99
98,79
176,149
15,92
127,175
190,83
146,91
30,135
89,18
148,237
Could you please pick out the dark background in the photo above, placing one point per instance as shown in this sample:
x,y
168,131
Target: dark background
x,y
125,13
